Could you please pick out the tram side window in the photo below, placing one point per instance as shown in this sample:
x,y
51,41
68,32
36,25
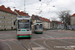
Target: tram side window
x,y
30,26
35,27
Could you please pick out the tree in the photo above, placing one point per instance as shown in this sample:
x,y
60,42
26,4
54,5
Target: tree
x,y
65,17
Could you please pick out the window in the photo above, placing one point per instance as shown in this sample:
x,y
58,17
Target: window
x,y
8,26
3,21
0,21
23,24
8,14
0,11
2,25
4,17
0,17
38,26
8,17
3,12
35,27
8,22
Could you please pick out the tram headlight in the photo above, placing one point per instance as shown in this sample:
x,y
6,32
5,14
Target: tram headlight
x,y
39,24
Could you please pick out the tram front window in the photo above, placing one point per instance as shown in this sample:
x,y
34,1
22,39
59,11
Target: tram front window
x,y
39,26
23,24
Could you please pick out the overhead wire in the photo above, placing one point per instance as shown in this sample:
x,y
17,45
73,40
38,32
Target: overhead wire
x,y
24,1
41,10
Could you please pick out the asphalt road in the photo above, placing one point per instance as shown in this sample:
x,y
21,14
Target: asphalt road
x,y
49,40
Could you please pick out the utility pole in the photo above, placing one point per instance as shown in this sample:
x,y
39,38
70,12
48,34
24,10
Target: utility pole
x,y
24,7
39,0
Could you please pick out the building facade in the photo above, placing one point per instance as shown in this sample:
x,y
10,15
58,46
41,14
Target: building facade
x,y
57,25
72,26
7,18
73,19
46,22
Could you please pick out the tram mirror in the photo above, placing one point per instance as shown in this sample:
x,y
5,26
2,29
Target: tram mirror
x,y
31,23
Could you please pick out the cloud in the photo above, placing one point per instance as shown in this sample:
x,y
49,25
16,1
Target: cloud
x,y
45,6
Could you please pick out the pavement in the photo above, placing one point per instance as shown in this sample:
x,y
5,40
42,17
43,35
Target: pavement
x,y
49,40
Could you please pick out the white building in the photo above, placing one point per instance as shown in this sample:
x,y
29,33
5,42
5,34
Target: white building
x,y
46,22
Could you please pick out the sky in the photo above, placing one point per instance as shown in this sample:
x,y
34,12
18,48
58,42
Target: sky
x,y
45,8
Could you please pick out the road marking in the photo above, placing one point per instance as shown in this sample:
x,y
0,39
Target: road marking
x,y
65,38
8,45
48,36
39,38
8,40
38,48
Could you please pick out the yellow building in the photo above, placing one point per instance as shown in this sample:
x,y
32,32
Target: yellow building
x,y
7,18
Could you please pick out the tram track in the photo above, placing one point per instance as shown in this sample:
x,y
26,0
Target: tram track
x,y
22,45
44,42
8,45
29,44
32,42
39,45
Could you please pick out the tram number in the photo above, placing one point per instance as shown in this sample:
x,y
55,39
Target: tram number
x,y
23,20
23,30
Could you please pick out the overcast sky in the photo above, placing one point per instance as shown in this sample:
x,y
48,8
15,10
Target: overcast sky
x,y
45,8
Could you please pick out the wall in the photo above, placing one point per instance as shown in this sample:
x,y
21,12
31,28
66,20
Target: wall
x,y
72,20
7,20
46,25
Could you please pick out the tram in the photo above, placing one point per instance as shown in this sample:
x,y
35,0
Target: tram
x,y
38,27
24,27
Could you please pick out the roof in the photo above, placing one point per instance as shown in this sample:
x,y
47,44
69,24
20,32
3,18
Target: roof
x,y
21,13
2,8
58,22
44,19
40,18
34,17
73,15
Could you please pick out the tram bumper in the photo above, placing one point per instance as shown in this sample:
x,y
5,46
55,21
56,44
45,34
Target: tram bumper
x,y
23,34
38,31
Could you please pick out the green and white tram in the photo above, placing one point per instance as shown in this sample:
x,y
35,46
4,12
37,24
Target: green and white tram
x,y
24,27
38,27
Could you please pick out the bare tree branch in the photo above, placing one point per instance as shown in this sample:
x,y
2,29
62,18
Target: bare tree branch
x,y
65,17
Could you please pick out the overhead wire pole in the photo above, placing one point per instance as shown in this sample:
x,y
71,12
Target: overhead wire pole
x,y
24,7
